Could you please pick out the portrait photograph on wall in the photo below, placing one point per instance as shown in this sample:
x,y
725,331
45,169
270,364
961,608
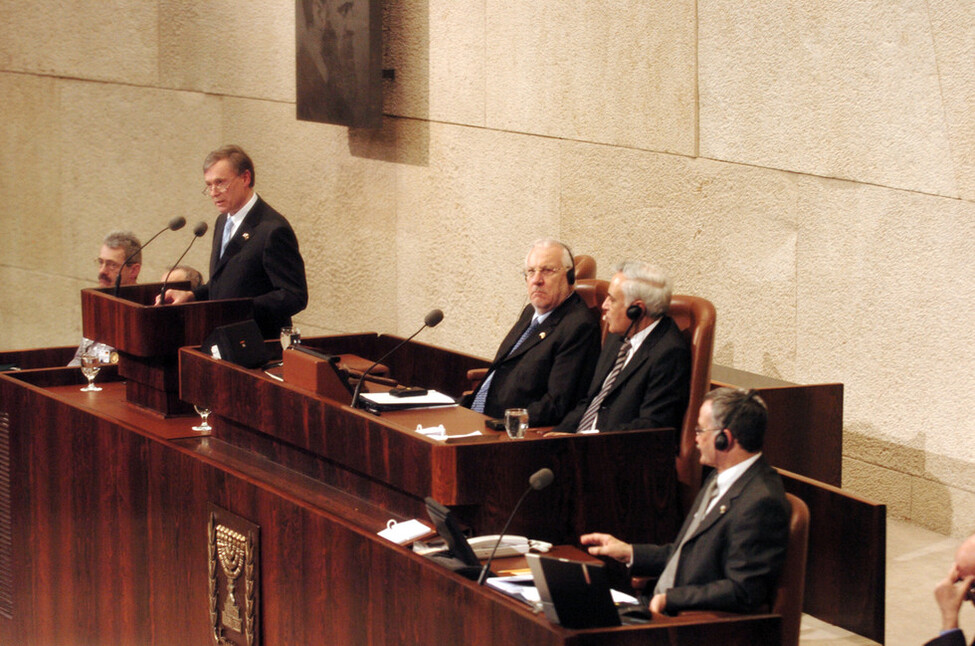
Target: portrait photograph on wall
x,y
337,60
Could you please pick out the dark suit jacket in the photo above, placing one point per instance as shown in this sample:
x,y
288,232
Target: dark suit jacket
x,y
953,638
733,560
652,390
262,261
549,372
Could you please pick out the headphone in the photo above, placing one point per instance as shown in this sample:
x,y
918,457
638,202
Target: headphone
x,y
571,274
721,441
634,312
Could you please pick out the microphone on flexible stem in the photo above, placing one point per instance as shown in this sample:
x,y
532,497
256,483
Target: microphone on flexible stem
x,y
432,319
538,481
198,232
175,224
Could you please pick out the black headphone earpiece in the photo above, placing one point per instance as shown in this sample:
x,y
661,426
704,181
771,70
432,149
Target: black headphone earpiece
x,y
571,274
721,441
634,312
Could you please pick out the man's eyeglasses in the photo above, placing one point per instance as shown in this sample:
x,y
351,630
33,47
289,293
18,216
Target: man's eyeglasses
x,y
110,265
698,430
218,187
546,272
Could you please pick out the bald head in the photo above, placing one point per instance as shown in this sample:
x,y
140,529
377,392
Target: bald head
x,y
965,557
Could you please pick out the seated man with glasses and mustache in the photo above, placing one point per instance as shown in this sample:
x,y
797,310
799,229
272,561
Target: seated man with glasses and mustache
x,y
255,251
545,362
116,247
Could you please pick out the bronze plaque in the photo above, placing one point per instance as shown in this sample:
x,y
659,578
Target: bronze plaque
x,y
233,558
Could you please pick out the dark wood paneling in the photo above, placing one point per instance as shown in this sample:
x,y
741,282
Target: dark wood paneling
x,y
805,425
845,571
485,475
110,547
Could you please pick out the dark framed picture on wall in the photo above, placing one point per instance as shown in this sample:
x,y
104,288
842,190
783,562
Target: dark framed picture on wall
x,y
338,61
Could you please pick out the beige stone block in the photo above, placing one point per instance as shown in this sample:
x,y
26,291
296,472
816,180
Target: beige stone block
x,y
953,29
884,300
93,40
342,208
950,471
437,52
942,508
835,89
609,72
864,442
464,224
726,233
223,47
29,183
45,317
136,162
879,484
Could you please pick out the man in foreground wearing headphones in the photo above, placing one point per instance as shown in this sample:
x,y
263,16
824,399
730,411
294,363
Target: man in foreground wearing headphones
x,y
545,362
642,377
729,553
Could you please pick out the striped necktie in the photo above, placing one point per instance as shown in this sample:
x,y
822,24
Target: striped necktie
x,y
589,418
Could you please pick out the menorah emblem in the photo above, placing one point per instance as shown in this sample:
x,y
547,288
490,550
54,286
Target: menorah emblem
x,y
231,548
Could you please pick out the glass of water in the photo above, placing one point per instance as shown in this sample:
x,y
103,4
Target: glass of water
x,y
516,422
204,413
89,368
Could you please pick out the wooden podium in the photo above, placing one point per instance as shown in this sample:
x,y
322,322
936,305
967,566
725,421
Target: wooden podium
x,y
148,337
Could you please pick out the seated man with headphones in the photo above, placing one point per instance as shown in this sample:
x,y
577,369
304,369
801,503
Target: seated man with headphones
x,y
729,553
642,377
545,362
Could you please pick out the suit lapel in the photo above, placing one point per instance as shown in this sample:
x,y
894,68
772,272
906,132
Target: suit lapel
x,y
726,501
642,354
241,236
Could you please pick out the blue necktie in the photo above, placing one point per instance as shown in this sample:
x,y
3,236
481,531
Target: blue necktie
x,y
228,230
481,397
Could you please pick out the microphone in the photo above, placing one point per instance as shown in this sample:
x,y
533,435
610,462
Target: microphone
x,y
538,481
198,232
175,224
432,319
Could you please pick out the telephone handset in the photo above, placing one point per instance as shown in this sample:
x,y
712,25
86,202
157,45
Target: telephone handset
x,y
510,546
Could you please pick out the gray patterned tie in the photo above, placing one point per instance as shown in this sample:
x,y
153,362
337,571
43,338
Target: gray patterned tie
x,y
590,416
228,229
666,580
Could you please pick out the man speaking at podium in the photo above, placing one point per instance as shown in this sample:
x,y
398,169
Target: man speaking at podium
x,y
255,252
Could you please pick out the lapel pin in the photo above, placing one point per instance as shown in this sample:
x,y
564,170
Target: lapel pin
x,y
722,509
541,335
246,236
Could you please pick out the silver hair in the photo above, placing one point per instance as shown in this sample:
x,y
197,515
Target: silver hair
x,y
645,282
567,260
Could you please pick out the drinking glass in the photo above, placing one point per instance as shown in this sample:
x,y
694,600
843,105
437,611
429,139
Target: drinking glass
x,y
89,368
516,422
289,335
204,413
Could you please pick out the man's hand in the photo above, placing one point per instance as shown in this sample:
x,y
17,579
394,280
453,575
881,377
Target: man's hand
x,y
950,593
176,296
659,603
607,545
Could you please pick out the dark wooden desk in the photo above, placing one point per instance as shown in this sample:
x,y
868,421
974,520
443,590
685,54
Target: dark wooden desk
x,y
104,536
618,482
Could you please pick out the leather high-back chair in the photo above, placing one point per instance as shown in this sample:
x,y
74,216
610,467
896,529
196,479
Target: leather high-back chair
x,y
593,292
792,582
585,267
695,317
